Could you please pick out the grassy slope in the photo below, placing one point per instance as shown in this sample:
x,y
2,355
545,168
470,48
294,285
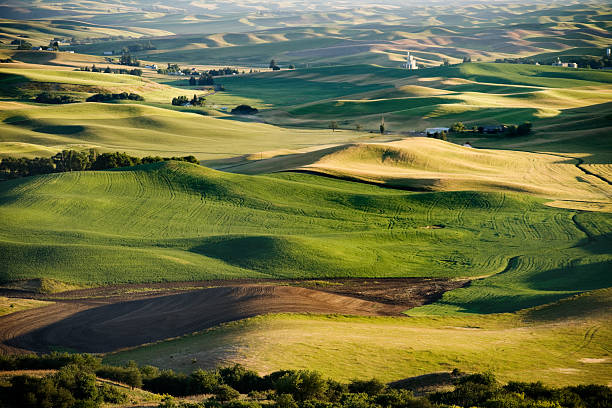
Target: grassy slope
x,y
422,163
181,222
27,82
563,343
145,130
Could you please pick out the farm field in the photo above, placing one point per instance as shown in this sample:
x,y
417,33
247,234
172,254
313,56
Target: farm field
x,y
411,101
572,336
230,225
305,235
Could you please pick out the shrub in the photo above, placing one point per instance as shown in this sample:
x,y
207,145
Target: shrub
x,y
302,385
242,404
370,387
112,394
225,393
242,379
202,382
285,401
127,375
168,382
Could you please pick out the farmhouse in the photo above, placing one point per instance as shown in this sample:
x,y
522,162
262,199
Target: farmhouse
x,y
431,131
558,63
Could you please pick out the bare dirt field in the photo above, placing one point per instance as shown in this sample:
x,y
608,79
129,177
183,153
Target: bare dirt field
x,y
111,318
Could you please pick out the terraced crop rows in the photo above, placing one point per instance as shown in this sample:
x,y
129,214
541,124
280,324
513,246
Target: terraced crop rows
x,y
183,222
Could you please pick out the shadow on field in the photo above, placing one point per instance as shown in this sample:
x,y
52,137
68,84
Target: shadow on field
x,y
127,324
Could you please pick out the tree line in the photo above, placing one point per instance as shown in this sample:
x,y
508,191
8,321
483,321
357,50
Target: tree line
x,y
109,70
100,97
53,98
235,386
511,130
73,160
183,100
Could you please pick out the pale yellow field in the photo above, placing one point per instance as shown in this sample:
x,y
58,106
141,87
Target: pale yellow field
x,y
425,163
12,305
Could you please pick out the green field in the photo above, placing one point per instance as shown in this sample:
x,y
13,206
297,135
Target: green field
x,y
527,220
171,222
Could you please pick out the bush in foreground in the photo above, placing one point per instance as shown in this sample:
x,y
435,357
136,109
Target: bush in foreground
x,y
74,385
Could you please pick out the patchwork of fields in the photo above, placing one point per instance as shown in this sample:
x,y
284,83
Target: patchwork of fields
x,y
306,238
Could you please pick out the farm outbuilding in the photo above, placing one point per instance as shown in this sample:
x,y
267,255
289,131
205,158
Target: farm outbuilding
x,y
431,131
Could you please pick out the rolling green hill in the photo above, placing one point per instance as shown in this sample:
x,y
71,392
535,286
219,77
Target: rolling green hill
x,y
176,221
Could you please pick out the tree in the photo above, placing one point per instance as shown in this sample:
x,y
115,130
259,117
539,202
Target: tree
x,y
446,62
333,125
291,66
244,110
203,382
524,129
457,127
382,125
107,70
285,401
224,393
302,385
192,81
358,127
467,58
24,45
272,64
370,387
180,100
276,68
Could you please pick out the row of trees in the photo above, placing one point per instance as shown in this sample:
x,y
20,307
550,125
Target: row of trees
x,y
506,130
52,98
582,61
114,97
204,79
109,70
72,160
47,97
183,100
128,59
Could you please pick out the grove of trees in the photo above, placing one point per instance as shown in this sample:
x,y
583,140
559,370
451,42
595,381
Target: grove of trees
x,y
72,160
46,97
114,97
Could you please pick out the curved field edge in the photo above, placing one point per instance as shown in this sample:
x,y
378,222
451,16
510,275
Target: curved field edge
x,y
544,344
